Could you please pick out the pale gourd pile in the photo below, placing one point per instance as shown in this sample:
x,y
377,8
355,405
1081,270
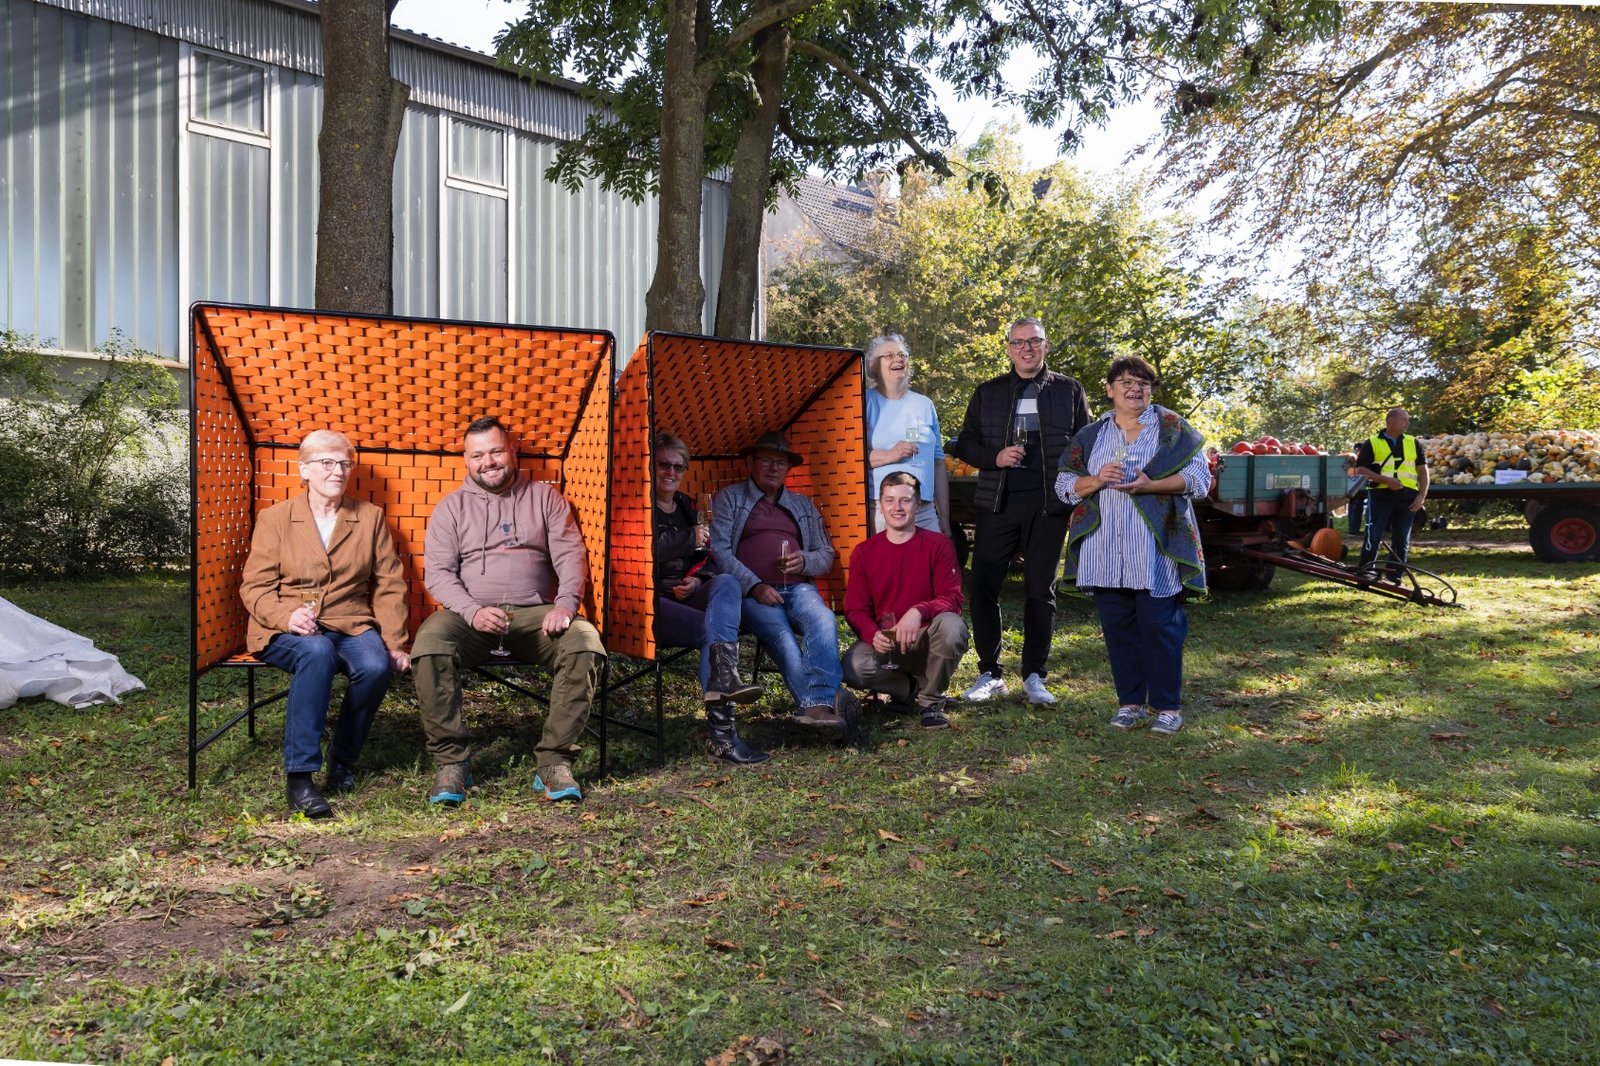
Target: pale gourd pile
x,y
1546,454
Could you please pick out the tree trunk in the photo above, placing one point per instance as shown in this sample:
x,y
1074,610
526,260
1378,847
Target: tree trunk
x,y
362,108
747,195
677,296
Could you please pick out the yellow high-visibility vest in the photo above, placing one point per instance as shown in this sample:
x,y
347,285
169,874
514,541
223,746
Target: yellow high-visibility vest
x,y
1403,466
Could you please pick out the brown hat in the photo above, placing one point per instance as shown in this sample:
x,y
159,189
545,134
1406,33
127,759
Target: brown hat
x,y
773,441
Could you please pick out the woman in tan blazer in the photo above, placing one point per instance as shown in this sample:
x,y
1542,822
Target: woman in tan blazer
x,y
326,594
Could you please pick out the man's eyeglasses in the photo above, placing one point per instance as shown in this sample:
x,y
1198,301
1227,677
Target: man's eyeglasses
x,y
1133,384
1033,344
776,462
671,468
330,465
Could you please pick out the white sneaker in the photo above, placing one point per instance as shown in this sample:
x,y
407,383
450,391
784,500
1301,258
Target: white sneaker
x,y
987,687
1033,688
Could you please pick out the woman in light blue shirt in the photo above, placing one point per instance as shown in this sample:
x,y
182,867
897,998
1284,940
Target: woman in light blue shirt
x,y
903,432
1132,541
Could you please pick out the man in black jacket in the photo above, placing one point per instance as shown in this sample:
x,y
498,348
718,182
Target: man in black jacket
x,y
1016,429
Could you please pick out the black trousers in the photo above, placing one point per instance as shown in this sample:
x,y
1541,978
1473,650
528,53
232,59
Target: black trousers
x,y
1019,525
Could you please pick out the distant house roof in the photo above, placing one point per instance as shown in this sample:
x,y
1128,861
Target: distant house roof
x,y
841,213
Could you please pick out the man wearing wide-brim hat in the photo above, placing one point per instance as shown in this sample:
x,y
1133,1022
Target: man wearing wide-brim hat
x,y
773,542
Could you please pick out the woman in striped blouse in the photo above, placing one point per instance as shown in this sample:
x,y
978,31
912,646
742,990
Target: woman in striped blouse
x,y
1133,542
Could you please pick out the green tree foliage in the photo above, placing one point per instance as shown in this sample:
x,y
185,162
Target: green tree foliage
x,y
963,261
684,88
89,482
1195,55
1412,119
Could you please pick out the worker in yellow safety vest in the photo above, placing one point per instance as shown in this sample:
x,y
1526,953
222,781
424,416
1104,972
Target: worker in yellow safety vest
x,y
1397,474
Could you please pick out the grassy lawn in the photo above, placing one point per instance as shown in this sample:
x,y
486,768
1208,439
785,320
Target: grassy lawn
x,y
1377,839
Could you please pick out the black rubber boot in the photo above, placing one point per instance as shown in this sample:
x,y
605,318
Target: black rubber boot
x,y
725,683
724,743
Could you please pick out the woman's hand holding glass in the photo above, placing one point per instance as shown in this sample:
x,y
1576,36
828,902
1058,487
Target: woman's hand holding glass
x,y
303,619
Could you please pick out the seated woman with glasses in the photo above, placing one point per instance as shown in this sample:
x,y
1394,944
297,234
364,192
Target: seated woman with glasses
x,y
1133,542
683,565
326,594
687,581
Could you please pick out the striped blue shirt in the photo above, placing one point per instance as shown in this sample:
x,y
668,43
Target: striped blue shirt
x,y
1122,554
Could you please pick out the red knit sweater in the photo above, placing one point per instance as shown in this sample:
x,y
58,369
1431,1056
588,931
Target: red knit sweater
x,y
921,573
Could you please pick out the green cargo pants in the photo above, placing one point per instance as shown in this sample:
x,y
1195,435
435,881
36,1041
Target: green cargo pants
x,y
446,645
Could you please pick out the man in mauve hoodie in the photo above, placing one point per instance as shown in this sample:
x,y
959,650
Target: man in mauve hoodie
x,y
505,559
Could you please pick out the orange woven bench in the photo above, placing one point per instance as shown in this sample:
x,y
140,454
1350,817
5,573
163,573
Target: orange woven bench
x,y
402,389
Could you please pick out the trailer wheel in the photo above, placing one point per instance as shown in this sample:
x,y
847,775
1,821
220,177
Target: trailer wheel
x,y
1566,533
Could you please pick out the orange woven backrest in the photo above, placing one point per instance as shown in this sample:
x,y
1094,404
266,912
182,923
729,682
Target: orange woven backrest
x,y
719,396
402,390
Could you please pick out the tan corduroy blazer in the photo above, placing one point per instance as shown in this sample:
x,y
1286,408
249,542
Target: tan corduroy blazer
x,y
358,575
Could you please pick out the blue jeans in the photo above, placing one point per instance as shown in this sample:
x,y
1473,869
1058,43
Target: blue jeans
x,y
812,672
724,615
311,662
1144,641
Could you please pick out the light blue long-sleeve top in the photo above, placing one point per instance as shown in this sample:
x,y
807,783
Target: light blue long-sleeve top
x,y
887,422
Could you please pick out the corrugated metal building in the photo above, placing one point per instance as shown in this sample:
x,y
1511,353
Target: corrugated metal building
x,y
157,152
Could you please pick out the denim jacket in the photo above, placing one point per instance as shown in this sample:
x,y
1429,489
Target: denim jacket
x,y
731,510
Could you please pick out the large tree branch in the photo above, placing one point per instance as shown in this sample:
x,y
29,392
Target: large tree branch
x,y
935,160
801,140
767,16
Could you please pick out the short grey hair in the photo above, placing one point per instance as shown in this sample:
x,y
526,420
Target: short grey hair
x,y
869,361
671,442
321,440
1028,321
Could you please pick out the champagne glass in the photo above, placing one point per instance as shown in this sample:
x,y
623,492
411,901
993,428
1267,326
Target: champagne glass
x,y
510,609
783,556
311,599
887,621
1119,455
1019,430
703,521
914,433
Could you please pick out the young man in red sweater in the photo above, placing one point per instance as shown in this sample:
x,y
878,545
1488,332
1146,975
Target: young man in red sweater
x,y
904,602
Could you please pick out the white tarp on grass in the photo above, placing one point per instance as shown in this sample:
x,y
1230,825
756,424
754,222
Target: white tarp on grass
x,y
39,658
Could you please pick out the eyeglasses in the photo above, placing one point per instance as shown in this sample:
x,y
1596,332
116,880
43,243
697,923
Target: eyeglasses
x,y
671,468
1033,344
776,463
1134,384
330,465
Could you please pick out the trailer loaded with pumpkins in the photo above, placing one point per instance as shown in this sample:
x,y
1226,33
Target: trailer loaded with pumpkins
x,y
1271,507
1552,475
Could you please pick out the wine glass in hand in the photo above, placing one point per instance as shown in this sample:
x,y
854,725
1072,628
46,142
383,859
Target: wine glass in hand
x,y
510,612
311,600
887,622
702,523
1119,455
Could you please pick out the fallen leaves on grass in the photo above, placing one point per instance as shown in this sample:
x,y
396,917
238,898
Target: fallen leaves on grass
x,y
985,993
706,901
884,834
757,1051
1172,893
1058,864
722,945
